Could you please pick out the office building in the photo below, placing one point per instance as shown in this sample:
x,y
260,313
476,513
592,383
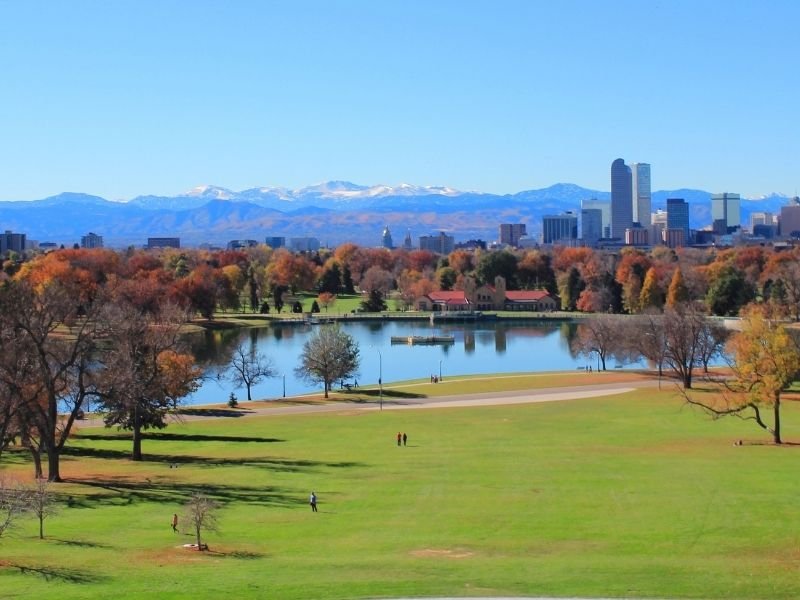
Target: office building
x,y
511,232
591,225
12,242
636,236
440,244
239,244
725,208
303,244
761,218
640,189
605,210
386,238
91,240
678,217
275,242
163,242
674,238
621,199
789,221
560,228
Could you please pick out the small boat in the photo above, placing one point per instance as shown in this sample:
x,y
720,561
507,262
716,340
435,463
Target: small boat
x,y
423,339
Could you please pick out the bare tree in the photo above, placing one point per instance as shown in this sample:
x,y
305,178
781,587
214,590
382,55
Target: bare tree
x,y
39,500
248,368
54,327
601,334
684,328
201,514
328,355
645,335
144,374
12,504
712,342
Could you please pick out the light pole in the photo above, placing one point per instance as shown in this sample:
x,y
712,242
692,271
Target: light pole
x,y
380,376
440,370
284,385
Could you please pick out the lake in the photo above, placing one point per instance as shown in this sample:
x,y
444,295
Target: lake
x,y
482,347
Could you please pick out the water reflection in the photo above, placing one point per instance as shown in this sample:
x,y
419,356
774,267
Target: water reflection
x,y
486,347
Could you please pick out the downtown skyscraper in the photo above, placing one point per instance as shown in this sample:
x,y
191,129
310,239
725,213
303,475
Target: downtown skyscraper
x,y
640,188
621,199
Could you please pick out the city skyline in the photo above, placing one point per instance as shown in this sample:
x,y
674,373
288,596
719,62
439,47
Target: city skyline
x,y
131,98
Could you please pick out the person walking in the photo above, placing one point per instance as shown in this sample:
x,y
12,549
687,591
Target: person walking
x,y
312,500
405,438
399,438
175,522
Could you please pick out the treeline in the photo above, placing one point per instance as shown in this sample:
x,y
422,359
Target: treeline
x,y
261,279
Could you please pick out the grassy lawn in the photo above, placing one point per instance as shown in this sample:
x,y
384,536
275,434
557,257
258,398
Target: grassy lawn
x,y
627,496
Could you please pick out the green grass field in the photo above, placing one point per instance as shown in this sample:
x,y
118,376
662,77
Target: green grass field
x,y
627,496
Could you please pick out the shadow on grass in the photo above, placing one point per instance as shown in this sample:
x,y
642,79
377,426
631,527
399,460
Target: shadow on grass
x,y
240,554
177,437
215,412
273,464
115,491
80,543
60,574
377,394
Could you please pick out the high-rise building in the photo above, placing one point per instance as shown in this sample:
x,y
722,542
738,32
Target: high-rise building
x,y
640,189
591,225
440,244
559,228
725,208
275,242
605,211
12,242
304,244
621,199
658,225
407,241
511,232
163,242
789,221
91,240
386,238
678,217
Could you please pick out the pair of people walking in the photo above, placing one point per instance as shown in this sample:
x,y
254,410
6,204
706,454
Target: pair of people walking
x,y
402,439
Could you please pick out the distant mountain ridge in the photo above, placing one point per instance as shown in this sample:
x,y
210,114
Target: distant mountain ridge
x,y
334,212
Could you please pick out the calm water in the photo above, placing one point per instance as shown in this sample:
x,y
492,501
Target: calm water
x,y
491,347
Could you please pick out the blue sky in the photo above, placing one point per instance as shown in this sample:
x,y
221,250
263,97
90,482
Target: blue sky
x,y
121,98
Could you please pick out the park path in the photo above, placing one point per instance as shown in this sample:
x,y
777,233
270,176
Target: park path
x,y
525,396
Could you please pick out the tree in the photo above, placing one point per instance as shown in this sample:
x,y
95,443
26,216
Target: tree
x,y
765,362
646,336
55,327
328,355
677,293
651,295
374,303
39,500
496,263
600,334
200,513
327,300
12,504
684,328
145,375
247,368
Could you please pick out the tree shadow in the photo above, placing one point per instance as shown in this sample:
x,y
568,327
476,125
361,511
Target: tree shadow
x,y
177,437
116,491
79,543
274,464
377,394
215,412
60,574
239,554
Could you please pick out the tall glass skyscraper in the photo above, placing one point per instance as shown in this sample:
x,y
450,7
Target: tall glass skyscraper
x,y
725,207
640,179
621,199
678,216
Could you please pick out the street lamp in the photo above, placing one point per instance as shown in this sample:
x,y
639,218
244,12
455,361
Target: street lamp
x,y
440,370
284,385
380,376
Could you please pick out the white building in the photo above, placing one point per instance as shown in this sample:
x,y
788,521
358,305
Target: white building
x,y
640,184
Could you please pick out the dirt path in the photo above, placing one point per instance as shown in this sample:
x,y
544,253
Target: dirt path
x,y
304,406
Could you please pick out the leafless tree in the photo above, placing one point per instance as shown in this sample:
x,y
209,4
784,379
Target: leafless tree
x,y
601,334
646,336
378,279
712,342
39,500
248,368
201,515
12,504
684,328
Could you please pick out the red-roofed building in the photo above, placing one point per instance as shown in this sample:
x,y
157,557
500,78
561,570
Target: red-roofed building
x,y
487,297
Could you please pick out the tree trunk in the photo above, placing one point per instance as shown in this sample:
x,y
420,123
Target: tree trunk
x,y
687,380
197,531
53,470
776,432
41,527
36,454
136,454
248,393
325,383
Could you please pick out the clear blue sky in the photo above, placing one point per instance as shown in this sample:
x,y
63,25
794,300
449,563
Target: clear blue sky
x,y
120,98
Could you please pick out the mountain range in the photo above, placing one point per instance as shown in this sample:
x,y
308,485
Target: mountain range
x,y
333,212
